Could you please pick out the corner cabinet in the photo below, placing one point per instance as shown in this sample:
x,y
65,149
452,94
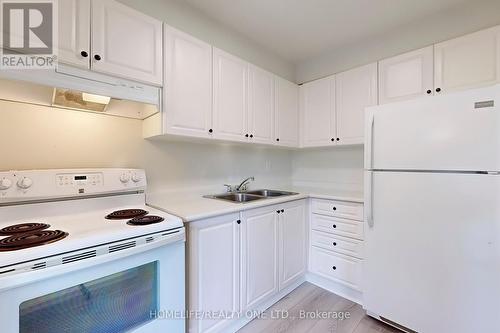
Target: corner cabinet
x,y
188,85
260,124
287,113
354,91
230,82
108,37
213,270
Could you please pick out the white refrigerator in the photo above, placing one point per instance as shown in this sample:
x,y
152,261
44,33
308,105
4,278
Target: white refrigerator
x,y
432,213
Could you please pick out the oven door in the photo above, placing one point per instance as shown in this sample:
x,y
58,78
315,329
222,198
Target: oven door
x,y
135,290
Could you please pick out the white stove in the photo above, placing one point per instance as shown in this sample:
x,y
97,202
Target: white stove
x,y
79,240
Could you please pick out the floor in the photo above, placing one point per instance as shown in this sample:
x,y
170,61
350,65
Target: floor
x,y
342,316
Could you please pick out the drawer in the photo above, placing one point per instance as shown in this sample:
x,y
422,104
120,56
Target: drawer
x,y
337,226
346,210
344,245
331,265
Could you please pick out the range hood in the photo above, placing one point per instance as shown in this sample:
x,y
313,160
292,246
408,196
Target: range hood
x,y
82,90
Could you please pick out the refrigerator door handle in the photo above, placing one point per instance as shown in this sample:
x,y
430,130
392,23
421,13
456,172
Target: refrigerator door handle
x,y
369,198
369,140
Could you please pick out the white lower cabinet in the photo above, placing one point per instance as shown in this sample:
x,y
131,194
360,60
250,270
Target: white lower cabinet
x,y
336,242
238,262
213,270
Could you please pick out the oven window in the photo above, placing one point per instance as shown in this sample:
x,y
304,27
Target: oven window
x,y
114,303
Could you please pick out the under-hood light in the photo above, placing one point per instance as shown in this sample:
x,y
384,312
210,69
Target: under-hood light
x,y
78,100
99,99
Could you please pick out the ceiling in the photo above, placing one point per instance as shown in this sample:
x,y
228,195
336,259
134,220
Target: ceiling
x,y
297,30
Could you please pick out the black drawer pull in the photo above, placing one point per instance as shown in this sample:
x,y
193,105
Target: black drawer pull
x,y
334,208
334,243
334,268
334,226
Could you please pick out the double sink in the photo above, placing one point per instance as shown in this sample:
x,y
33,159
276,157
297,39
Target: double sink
x,y
242,197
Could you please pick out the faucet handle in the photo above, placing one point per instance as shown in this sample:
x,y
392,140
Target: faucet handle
x,y
229,188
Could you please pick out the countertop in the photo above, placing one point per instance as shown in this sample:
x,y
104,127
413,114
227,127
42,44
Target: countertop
x,y
191,206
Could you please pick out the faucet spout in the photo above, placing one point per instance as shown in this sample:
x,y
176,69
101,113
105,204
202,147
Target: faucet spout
x,y
244,183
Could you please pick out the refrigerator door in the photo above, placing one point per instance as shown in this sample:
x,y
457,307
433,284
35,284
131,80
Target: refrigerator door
x,y
452,132
433,251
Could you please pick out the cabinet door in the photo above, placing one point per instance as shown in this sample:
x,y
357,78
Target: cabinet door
x,y
74,32
406,76
261,106
292,243
317,101
469,61
259,240
214,267
188,85
355,90
127,42
230,96
287,113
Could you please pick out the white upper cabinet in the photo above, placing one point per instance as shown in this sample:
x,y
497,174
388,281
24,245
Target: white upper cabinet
x,y
406,76
230,79
260,106
292,243
74,32
469,61
259,249
355,90
317,105
126,42
287,113
188,85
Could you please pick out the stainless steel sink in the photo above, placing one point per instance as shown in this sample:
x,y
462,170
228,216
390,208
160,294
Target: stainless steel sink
x,y
270,193
242,197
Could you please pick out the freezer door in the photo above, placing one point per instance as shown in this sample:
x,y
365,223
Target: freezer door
x,y
433,251
453,132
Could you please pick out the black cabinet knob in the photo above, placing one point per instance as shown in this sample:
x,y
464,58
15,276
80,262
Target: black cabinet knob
x,y
333,139
278,211
246,135
334,226
334,208
334,268
97,57
251,135
278,139
338,139
210,131
334,243
238,221
282,210
84,54
429,91
438,89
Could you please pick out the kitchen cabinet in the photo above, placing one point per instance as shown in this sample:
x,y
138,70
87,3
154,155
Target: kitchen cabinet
x,y
292,243
469,61
406,76
108,37
286,113
317,107
230,82
214,270
259,255
74,36
126,42
260,123
354,90
188,85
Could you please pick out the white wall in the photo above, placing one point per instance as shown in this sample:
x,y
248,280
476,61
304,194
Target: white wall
x,y
182,16
37,137
340,168
465,18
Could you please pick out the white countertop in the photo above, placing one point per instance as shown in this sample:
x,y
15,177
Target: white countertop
x,y
191,206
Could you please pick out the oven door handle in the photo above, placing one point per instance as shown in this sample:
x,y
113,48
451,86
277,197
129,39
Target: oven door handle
x,y
14,280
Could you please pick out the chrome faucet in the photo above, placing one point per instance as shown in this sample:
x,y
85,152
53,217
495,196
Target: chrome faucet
x,y
243,185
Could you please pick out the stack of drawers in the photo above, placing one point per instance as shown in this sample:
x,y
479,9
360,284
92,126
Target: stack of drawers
x,y
337,241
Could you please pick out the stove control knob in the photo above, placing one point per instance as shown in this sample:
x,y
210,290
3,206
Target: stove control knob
x,y
5,183
136,178
24,183
125,178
